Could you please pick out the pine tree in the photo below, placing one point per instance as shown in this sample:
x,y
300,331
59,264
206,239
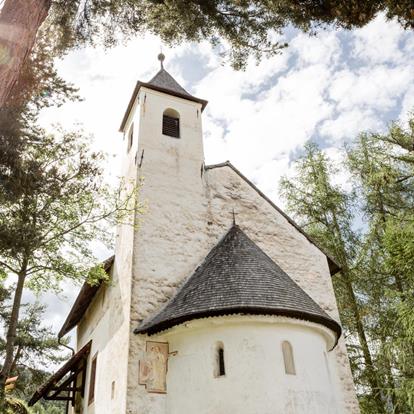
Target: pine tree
x,y
53,198
36,347
327,213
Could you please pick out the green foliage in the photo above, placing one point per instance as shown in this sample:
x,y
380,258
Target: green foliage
x,y
53,203
376,285
16,406
36,348
47,408
36,344
241,28
59,204
61,209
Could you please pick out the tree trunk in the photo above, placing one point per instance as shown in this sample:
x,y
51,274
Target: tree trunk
x,y
11,332
346,275
19,23
372,374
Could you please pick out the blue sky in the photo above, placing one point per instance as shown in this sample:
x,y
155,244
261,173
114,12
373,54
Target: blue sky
x,y
326,88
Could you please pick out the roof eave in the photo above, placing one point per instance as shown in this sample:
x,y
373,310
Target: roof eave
x,y
138,85
82,302
153,329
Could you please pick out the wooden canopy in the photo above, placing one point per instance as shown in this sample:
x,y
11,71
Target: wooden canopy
x,y
67,381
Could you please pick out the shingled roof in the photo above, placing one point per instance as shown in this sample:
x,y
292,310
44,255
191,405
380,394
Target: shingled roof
x,y
164,80
237,277
161,82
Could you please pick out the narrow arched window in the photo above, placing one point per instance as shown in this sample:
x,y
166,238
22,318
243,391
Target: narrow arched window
x,y
220,369
171,123
288,358
130,137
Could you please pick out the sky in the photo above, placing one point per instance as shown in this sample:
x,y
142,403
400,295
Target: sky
x,y
325,88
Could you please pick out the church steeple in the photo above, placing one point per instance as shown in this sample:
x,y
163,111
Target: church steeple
x,y
161,82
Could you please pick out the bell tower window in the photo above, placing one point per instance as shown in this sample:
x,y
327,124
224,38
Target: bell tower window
x,y
171,123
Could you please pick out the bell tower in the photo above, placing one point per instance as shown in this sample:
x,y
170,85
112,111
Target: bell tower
x,y
162,130
164,151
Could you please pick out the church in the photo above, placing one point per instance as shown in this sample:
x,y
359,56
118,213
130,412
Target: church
x,y
218,302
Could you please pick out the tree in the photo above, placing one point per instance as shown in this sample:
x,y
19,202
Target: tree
x,y
53,199
383,169
19,21
45,233
36,347
376,284
326,212
247,26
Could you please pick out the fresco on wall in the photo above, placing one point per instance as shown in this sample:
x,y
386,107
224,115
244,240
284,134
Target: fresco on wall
x,y
153,367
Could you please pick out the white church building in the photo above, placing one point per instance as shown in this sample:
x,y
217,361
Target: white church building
x,y
218,302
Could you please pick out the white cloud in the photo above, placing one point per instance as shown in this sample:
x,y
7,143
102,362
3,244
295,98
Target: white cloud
x,y
324,48
349,123
377,87
379,42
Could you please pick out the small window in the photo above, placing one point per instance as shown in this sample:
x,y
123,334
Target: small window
x,y
171,123
92,380
288,358
220,369
113,390
130,137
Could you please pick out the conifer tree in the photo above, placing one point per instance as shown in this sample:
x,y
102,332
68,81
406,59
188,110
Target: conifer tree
x,y
36,348
53,198
326,212
383,169
376,284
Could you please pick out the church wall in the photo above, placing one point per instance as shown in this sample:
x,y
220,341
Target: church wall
x,y
254,368
106,324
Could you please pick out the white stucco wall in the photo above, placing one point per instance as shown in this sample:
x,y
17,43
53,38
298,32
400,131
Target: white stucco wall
x,y
255,380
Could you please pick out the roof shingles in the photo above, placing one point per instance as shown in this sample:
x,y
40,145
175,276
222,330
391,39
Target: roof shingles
x,y
237,277
165,81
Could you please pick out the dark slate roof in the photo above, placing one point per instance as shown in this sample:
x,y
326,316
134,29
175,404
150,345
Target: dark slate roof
x,y
162,82
82,302
237,277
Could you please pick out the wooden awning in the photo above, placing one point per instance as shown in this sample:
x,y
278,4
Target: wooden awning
x,y
67,381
